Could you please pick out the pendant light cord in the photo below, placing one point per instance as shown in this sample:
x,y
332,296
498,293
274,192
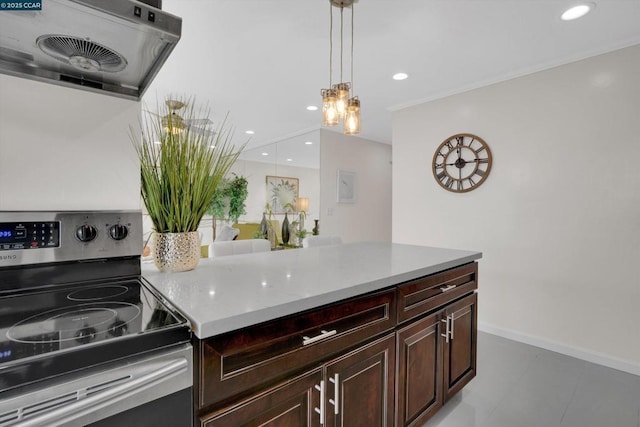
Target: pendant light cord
x,y
330,45
352,9
341,32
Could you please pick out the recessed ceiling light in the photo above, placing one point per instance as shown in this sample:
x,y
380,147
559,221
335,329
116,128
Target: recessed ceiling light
x,y
308,143
249,132
400,76
265,154
577,11
312,108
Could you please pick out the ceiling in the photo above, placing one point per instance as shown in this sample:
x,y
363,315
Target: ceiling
x,y
265,61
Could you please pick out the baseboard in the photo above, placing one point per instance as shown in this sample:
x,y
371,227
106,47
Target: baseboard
x,y
577,352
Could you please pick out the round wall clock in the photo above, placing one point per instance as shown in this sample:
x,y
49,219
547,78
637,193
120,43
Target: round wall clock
x,y
461,163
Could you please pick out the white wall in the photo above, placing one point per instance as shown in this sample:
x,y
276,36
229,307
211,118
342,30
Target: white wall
x,y
65,149
369,218
558,219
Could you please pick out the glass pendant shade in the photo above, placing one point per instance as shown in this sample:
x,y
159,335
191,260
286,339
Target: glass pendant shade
x,y
342,92
352,117
330,116
173,123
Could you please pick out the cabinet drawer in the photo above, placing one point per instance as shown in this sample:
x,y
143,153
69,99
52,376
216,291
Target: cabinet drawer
x,y
242,361
430,292
290,403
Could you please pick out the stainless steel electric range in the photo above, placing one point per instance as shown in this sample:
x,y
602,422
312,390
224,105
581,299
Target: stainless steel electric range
x,y
84,340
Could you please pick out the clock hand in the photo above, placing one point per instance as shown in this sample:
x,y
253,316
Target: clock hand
x,y
466,161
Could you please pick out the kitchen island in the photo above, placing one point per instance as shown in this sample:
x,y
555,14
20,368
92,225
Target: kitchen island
x,y
310,336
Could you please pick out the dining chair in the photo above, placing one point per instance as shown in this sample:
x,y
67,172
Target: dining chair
x,y
313,241
236,247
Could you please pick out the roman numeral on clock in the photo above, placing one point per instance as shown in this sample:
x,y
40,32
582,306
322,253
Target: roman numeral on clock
x,y
449,183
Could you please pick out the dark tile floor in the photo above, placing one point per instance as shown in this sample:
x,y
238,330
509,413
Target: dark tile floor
x,y
519,385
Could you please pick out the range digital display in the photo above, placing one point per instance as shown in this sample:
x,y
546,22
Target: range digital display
x,y
29,235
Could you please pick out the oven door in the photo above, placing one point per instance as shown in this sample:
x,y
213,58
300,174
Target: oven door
x,y
151,389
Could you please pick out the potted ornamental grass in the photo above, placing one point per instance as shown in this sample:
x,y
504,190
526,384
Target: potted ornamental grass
x,y
181,166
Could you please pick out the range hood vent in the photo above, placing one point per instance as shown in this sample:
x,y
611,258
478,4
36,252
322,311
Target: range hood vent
x,y
82,54
115,47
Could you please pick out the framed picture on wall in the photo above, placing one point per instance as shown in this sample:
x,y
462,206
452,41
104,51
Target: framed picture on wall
x,y
346,186
282,193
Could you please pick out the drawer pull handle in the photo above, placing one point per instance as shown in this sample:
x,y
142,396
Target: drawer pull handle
x,y
336,396
320,410
325,334
447,288
446,332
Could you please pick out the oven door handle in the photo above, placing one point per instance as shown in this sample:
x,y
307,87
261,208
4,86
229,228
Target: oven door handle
x,y
99,401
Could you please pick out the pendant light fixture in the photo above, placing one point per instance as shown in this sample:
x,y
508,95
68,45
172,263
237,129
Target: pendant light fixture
x,y
338,103
352,117
173,122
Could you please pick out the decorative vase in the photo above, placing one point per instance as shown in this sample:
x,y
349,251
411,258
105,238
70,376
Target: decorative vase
x,y
176,251
264,227
271,236
316,228
285,230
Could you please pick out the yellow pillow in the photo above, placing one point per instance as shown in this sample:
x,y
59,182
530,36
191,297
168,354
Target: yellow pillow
x,y
247,230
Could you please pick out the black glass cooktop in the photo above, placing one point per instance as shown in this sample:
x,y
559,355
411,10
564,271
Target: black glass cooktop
x,y
47,332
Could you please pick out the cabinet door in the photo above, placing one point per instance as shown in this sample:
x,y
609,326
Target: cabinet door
x,y
359,386
460,351
419,391
290,404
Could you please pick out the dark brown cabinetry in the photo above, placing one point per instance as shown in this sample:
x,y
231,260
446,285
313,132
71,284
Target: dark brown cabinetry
x,y
436,352
360,386
419,392
353,390
388,358
290,404
460,349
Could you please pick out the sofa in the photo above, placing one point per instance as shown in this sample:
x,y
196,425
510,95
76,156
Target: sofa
x,y
248,230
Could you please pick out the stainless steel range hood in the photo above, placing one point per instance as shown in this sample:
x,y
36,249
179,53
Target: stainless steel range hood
x,y
115,47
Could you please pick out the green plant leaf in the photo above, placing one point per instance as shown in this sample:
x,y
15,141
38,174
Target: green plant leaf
x,y
181,171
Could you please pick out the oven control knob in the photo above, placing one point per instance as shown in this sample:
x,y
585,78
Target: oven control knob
x,y
118,328
86,233
118,231
86,335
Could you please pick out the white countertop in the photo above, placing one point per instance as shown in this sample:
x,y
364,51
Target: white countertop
x,y
228,293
